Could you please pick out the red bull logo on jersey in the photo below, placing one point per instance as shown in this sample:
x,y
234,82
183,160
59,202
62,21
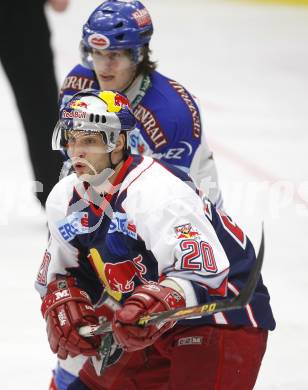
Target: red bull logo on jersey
x,y
121,275
186,231
98,41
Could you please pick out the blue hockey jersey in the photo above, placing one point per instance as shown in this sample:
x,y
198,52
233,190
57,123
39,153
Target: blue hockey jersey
x,y
151,225
169,124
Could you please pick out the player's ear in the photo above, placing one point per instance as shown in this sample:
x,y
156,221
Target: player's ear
x,y
120,144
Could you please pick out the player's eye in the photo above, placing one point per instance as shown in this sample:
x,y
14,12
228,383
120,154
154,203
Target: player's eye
x,y
89,141
97,53
114,56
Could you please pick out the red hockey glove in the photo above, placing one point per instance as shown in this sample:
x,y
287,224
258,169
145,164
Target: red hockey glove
x,y
66,308
146,299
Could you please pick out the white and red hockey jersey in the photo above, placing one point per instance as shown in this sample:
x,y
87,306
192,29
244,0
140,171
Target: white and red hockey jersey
x,y
153,226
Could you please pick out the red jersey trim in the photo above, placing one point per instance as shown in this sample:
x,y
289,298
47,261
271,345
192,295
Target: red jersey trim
x,y
118,179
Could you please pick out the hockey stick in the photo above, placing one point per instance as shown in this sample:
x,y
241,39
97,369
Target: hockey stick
x,y
237,302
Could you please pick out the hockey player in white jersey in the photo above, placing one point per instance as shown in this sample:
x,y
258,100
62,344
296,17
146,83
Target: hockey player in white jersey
x,y
116,55
136,229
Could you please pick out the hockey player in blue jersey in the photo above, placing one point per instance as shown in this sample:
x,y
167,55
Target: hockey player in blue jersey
x,y
135,229
116,56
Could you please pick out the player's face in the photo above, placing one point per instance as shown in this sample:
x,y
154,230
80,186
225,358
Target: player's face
x,y
87,152
114,69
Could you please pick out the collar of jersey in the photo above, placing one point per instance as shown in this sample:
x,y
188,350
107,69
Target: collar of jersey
x,y
136,91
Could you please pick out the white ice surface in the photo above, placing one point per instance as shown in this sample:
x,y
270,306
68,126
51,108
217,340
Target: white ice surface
x,y
248,64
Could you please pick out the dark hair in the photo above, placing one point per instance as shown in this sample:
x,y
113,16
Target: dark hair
x,y
146,66
126,150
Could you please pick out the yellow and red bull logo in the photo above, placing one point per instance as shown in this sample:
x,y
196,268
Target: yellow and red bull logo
x,y
186,231
119,277
114,101
75,104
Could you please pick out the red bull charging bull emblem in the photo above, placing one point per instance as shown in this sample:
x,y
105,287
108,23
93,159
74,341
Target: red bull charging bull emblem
x,y
121,100
75,104
121,275
114,101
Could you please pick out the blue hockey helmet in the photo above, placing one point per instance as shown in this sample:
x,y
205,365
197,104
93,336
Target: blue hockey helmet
x,y
117,25
104,112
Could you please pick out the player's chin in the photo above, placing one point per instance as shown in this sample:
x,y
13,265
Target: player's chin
x,y
86,176
107,83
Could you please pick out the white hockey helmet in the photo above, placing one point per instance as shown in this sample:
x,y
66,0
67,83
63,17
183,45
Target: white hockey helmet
x,y
91,110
